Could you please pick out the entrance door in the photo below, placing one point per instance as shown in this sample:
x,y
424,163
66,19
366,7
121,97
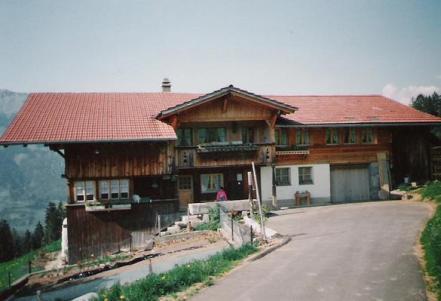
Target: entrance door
x,y
349,184
185,191
235,185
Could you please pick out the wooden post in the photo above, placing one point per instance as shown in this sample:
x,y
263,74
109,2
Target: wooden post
x,y
274,187
29,267
9,279
150,266
256,185
250,191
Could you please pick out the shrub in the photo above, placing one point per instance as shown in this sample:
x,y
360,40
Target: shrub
x,y
214,223
431,240
432,191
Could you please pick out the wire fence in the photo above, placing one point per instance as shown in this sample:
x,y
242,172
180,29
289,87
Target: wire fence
x,y
13,270
234,231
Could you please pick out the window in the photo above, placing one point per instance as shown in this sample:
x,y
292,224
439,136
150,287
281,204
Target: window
x,y
247,135
104,190
281,136
80,192
84,190
209,135
114,189
185,136
302,137
211,182
124,189
367,135
332,136
185,182
305,176
349,136
282,177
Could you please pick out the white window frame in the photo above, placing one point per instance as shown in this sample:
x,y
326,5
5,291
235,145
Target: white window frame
x,y
213,180
301,175
277,177
86,190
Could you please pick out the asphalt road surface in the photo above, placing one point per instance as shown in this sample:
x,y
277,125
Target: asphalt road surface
x,y
362,251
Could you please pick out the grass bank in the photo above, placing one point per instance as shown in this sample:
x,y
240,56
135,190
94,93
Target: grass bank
x,y
18,267
179,278
431,238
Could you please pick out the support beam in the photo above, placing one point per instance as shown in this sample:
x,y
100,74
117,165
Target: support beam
x,y
174,122
57,150
225,105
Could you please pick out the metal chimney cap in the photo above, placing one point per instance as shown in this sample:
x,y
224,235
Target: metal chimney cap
x,y
166,85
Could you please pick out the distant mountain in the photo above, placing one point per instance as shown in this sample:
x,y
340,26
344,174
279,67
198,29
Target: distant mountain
x,y
30,176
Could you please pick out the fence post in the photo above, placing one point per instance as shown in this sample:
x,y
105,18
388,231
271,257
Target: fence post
x,y
29,267
9,278
150,266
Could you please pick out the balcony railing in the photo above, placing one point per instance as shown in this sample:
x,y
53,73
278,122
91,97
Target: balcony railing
x,y
224,154
108,205
292,150
226,147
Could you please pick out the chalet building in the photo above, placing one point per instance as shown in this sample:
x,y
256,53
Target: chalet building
x,y
131,156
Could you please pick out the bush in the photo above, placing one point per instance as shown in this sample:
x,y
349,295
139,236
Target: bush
x,y
432,191
214,223
431,240
179,278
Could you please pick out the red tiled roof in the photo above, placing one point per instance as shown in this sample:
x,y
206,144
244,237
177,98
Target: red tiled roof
x,y
367,109
99,117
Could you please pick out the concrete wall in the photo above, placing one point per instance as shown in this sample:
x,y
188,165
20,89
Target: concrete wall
x,y
320,190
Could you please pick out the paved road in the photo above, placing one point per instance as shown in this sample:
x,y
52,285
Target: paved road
x,y
351,252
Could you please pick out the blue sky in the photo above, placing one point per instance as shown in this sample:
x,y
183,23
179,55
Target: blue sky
x,y
268,47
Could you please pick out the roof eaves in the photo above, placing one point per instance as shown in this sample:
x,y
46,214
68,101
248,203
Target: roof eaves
x,y
221,92
11,142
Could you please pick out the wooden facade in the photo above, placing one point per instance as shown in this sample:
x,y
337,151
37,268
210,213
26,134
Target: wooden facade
x,y
103,160
100,233
339,153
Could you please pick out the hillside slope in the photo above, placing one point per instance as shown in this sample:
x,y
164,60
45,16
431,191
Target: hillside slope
x,y
29,176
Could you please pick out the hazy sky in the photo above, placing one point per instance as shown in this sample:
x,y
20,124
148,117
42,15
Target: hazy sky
x,y
268,47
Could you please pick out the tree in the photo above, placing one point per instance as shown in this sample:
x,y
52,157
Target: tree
x,y
430,104
18,243
7,243
54,220
27,242
37,236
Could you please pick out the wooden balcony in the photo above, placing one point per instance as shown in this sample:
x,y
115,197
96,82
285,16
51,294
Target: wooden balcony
x,y
302,150
224,154
108,205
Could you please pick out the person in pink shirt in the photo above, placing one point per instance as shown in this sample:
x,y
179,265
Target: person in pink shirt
x,y
221,195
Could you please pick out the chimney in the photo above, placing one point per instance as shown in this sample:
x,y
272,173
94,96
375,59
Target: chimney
x,y
166,85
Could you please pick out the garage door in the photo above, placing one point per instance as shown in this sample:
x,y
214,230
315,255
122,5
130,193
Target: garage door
x,y
349,184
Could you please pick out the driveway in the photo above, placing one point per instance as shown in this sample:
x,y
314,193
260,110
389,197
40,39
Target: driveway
x,y
360,251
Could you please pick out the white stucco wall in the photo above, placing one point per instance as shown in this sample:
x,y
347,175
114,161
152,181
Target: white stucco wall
x,y
320,189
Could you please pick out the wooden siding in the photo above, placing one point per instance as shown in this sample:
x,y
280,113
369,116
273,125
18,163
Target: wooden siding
x,y
320,152
235,109
89,161
101,233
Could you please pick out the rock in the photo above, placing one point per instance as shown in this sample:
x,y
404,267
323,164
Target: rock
x,y
149,244
205,218
173,229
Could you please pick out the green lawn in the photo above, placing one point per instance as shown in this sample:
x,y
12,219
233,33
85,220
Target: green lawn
x,y
19,266
179,278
